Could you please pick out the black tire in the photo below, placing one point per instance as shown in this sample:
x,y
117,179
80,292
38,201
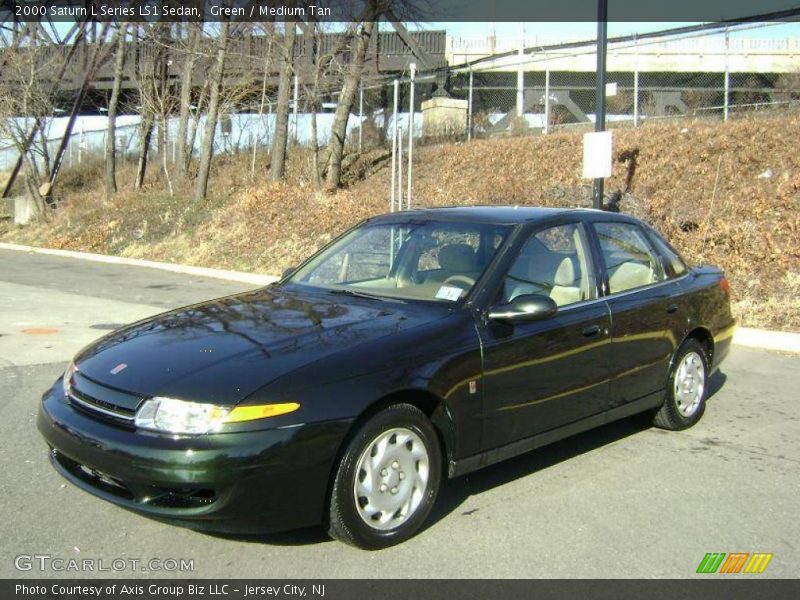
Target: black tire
x,y
345,521
673,414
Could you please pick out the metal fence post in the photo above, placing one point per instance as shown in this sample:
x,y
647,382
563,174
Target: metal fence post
x,y
294,109
394,148
400,169
360,115
547,101
636,85
411,133
727,74
520,72
469,108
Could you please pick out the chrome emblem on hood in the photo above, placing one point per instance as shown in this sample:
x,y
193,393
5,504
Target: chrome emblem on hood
x,y
120,367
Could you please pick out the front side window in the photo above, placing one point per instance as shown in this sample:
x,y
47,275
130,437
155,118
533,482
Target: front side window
x,y
630,260
425,260
553,262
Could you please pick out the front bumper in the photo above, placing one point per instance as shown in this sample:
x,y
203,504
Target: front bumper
x,y
244,482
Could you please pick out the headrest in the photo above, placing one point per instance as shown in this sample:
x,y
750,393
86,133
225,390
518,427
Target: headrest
x,y
565,274
542,267
630,275
457,257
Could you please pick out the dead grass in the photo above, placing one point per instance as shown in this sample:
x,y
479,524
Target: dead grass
x,y
248,224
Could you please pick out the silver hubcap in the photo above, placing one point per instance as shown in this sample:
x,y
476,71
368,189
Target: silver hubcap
x,y
391,478
690,383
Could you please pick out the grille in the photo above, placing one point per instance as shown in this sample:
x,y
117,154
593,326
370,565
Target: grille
x,y
103,403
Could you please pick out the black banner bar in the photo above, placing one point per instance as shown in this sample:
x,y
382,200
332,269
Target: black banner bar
x,y
419,11
744,587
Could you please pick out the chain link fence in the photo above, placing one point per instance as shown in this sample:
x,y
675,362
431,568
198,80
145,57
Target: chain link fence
x,y
719,75
715,75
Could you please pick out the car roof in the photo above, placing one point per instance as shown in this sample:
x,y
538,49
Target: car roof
x,y
498,215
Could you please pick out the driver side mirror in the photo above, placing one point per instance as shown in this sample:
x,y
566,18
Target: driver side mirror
x,y
287,272
529,307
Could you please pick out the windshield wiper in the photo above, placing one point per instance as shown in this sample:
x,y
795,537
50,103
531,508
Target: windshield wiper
x,y
348,292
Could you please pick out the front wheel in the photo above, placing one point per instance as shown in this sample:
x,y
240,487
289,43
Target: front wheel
x,y
687,389
387,480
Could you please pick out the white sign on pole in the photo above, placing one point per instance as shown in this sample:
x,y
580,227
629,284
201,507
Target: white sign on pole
x,y
597,155
611,89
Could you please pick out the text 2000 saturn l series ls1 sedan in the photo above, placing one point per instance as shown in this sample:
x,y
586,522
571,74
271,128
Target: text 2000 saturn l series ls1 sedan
x,y
416,346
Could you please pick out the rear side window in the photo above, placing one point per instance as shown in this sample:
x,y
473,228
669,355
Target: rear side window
x,y
630,260
673,263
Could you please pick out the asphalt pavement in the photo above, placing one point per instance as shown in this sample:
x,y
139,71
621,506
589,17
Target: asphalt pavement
x,y
625,500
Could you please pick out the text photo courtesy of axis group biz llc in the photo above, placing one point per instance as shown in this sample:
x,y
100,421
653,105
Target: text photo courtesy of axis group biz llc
x,y
399,298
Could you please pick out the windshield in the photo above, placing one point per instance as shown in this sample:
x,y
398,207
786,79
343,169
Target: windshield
x,y
424,260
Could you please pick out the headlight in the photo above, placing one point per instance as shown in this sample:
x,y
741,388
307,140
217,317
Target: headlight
x,y
170,415
66,379
179,416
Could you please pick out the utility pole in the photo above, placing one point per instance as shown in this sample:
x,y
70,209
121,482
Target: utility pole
x,y
600,113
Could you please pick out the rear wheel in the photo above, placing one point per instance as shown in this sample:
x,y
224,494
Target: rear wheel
x,y
387,480
687,389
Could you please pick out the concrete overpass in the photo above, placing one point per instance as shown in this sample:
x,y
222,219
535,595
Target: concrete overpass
x,y
708,54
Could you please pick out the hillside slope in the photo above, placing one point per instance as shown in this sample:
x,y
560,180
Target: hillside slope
x,y
722,193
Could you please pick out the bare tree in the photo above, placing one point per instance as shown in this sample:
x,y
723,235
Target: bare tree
x,y
346,99
281,136
32,77
110,167
154,100
187,75
207,150
321,65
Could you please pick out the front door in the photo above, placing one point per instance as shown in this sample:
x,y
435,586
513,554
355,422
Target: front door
x,y
544,374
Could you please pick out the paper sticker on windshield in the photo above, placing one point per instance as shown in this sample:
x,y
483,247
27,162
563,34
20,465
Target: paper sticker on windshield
x,y
447,292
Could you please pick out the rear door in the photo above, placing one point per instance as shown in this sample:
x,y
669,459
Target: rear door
x,y
646,312
543,374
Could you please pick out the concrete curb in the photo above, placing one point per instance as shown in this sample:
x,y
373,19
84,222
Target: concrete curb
x,y
781,341
253,278
744,336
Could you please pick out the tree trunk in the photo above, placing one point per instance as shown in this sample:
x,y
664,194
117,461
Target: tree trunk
x,y
201,184
345,105
45,150
186,96
111,133
146,135
192,135
282,109
30,179
160,84
315,106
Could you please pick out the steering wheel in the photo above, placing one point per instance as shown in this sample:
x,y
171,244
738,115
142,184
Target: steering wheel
x,y
461,281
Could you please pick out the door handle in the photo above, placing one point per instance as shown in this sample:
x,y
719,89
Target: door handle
x,y
591,331
672,308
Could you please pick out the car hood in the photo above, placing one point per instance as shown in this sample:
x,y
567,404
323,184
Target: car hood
x,y
223,350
